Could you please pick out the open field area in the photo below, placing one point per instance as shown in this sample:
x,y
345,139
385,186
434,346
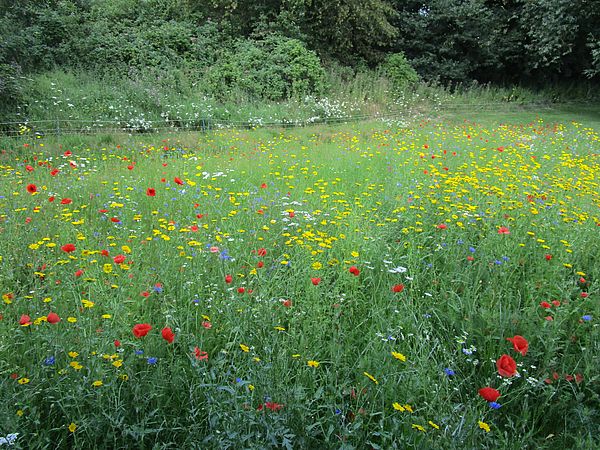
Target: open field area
x,y
370,285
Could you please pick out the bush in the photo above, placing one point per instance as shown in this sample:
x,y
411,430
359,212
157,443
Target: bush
x,y
11,91
274,68
399,71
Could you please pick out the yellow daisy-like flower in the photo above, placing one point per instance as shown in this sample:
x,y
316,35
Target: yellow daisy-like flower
x,y
97,383
398,407
73,354
418,427
370,377
484,426
244,348
23,380
314,364
399,356
72,427
434,425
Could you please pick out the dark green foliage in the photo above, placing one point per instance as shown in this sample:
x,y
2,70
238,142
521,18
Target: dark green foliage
x,y
399,70
11,90
274,68
271,49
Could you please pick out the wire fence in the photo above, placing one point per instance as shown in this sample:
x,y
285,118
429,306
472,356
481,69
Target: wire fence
x,y
57,127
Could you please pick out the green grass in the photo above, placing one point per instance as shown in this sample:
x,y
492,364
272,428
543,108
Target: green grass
x,y
419,204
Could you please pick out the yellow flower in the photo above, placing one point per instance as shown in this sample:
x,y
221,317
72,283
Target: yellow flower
x,y
437,427
398,407
75,365
118,363
484,426
97,383
72,427
314,364
418,427
399,356
317,265
107,268
245,348
73,354
71,319
370,377
23,380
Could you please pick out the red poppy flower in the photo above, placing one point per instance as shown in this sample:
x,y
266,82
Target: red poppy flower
x,y
206,324
442,226
66,201
145,294
163,180
29,168
397,288
31,188
51,199
104,252
584,295
130,167
54,172
68,153
228,279
503,230
52,318
315,281
489,394
520,344
545,305
114,219
117,343
200,355
292,214
507,367
354,271
555,302
260,264
178,181
119,259
286,303
262,252
273,406
168,335
151,192
241,290
548,256
79,273
25,320
141,329
68,248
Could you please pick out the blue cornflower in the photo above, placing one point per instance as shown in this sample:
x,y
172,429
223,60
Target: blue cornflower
x,y
472,249
49,361
586,318
139,352
449,372
495,405
152,360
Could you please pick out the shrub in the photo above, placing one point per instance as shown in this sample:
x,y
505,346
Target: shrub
x,y
399,71
274,68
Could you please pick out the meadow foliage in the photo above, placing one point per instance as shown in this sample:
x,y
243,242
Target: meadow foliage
x,y
363,286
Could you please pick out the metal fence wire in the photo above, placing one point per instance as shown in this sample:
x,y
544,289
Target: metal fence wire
x,y
56,127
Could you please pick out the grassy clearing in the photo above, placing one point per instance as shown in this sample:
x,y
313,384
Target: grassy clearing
x,y
327,287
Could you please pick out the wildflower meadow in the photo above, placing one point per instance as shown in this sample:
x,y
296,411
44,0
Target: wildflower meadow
x,y
358,286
